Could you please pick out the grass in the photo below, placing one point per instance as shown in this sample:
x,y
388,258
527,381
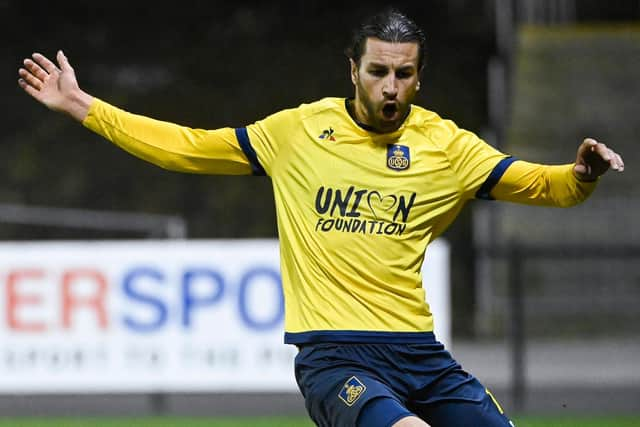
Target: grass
x,y
286,422
583,421
156,422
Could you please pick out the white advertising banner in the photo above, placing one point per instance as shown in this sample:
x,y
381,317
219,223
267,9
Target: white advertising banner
x,y
153,316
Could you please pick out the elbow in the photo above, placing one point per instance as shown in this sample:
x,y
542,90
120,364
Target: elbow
x,y
175,165
569,203
571,200
168,163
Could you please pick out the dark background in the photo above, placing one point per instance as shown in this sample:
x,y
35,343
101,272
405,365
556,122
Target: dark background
x,y
212,64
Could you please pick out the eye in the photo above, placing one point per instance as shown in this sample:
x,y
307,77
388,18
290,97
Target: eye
x,y
404,74
378,72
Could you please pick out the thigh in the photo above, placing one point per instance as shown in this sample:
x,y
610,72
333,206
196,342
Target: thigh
x,y
484,412
384,412
337,388
443,394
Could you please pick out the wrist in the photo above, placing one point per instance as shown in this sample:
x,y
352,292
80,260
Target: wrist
x,y
583,177
79,104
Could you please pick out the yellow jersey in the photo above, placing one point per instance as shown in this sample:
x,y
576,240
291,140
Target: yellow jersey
x,y
356,209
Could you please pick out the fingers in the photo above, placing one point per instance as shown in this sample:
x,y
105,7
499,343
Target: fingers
x,y
30,79
63,61
41,67
28,88
45,63
609,156
590,142
581,169
39,73
613,159
36,73
619,163
35,69
597,147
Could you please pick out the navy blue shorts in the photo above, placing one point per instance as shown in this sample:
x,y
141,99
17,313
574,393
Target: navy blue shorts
x,y
376,385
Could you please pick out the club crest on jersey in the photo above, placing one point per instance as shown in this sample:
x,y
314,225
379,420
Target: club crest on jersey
x,y
398,157
351,391
327,134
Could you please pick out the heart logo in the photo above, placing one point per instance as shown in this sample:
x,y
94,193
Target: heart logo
x,y
379,204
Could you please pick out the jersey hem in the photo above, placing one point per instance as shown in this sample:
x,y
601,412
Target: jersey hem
x,y
358,337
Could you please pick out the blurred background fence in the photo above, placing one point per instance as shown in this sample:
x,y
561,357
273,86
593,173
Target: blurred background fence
x,y
545,302
562,286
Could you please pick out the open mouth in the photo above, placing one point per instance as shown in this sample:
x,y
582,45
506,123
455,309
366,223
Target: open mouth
x,y
389,110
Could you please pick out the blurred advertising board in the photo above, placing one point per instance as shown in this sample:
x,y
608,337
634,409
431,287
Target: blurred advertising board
x,y
154,316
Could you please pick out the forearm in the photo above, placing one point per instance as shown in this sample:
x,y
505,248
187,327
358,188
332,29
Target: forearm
x,y
78,104
542,185
168,145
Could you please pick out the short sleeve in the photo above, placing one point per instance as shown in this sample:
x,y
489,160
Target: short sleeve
x,y
263,140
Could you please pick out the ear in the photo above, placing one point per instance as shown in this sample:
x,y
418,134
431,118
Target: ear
x,y
354,71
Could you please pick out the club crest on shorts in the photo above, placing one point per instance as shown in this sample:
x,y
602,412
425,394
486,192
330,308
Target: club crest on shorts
x,y
398,157
351,391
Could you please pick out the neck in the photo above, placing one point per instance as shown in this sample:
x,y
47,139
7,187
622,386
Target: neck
x,y
354,109
360,113
358,117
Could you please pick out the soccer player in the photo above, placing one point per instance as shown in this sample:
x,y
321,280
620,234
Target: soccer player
x,y
362,185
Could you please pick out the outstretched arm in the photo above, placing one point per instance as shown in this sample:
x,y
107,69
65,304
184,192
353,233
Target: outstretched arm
x,y
165,144
55,86
558,185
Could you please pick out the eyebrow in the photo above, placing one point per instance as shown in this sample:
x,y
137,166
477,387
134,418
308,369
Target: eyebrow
x,y
401,67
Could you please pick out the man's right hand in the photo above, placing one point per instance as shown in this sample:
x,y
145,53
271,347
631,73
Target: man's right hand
x,y
55,86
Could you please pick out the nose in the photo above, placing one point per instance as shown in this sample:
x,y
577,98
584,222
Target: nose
x,y
390,87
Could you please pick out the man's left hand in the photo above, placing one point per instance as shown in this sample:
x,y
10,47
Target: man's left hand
x,y
594,159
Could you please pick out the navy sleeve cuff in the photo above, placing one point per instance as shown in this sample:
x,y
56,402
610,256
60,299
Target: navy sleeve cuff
x,y
484,192
247,149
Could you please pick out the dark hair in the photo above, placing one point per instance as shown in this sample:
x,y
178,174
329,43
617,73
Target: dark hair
x,y
389,25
